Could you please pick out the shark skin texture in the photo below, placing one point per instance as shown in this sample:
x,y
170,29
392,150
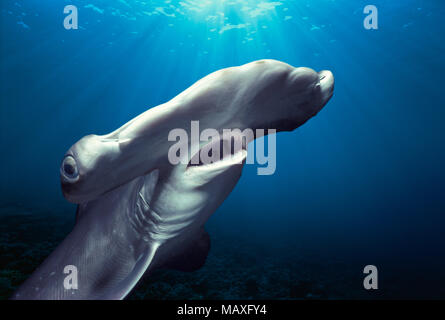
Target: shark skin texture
x,y
137,212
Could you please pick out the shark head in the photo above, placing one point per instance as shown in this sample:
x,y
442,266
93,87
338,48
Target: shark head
x,y
137,211
265,94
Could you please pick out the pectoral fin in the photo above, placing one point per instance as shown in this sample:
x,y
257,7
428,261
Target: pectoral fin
x,y
193,257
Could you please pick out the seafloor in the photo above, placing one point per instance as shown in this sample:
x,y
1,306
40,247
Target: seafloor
x,y
235,268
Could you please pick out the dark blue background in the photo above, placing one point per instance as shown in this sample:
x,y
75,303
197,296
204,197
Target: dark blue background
x,y
363,181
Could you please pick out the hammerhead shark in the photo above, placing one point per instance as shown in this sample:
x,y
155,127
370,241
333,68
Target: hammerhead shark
x,y
138,212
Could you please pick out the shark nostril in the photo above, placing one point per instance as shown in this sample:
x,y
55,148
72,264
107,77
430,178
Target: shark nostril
x,y
326,80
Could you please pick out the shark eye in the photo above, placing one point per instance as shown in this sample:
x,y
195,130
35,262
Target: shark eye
x,y
69,169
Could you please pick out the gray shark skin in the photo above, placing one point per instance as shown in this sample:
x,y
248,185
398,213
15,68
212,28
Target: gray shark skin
x,y
136,211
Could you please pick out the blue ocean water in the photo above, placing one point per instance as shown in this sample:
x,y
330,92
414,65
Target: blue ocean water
x,y
363,182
